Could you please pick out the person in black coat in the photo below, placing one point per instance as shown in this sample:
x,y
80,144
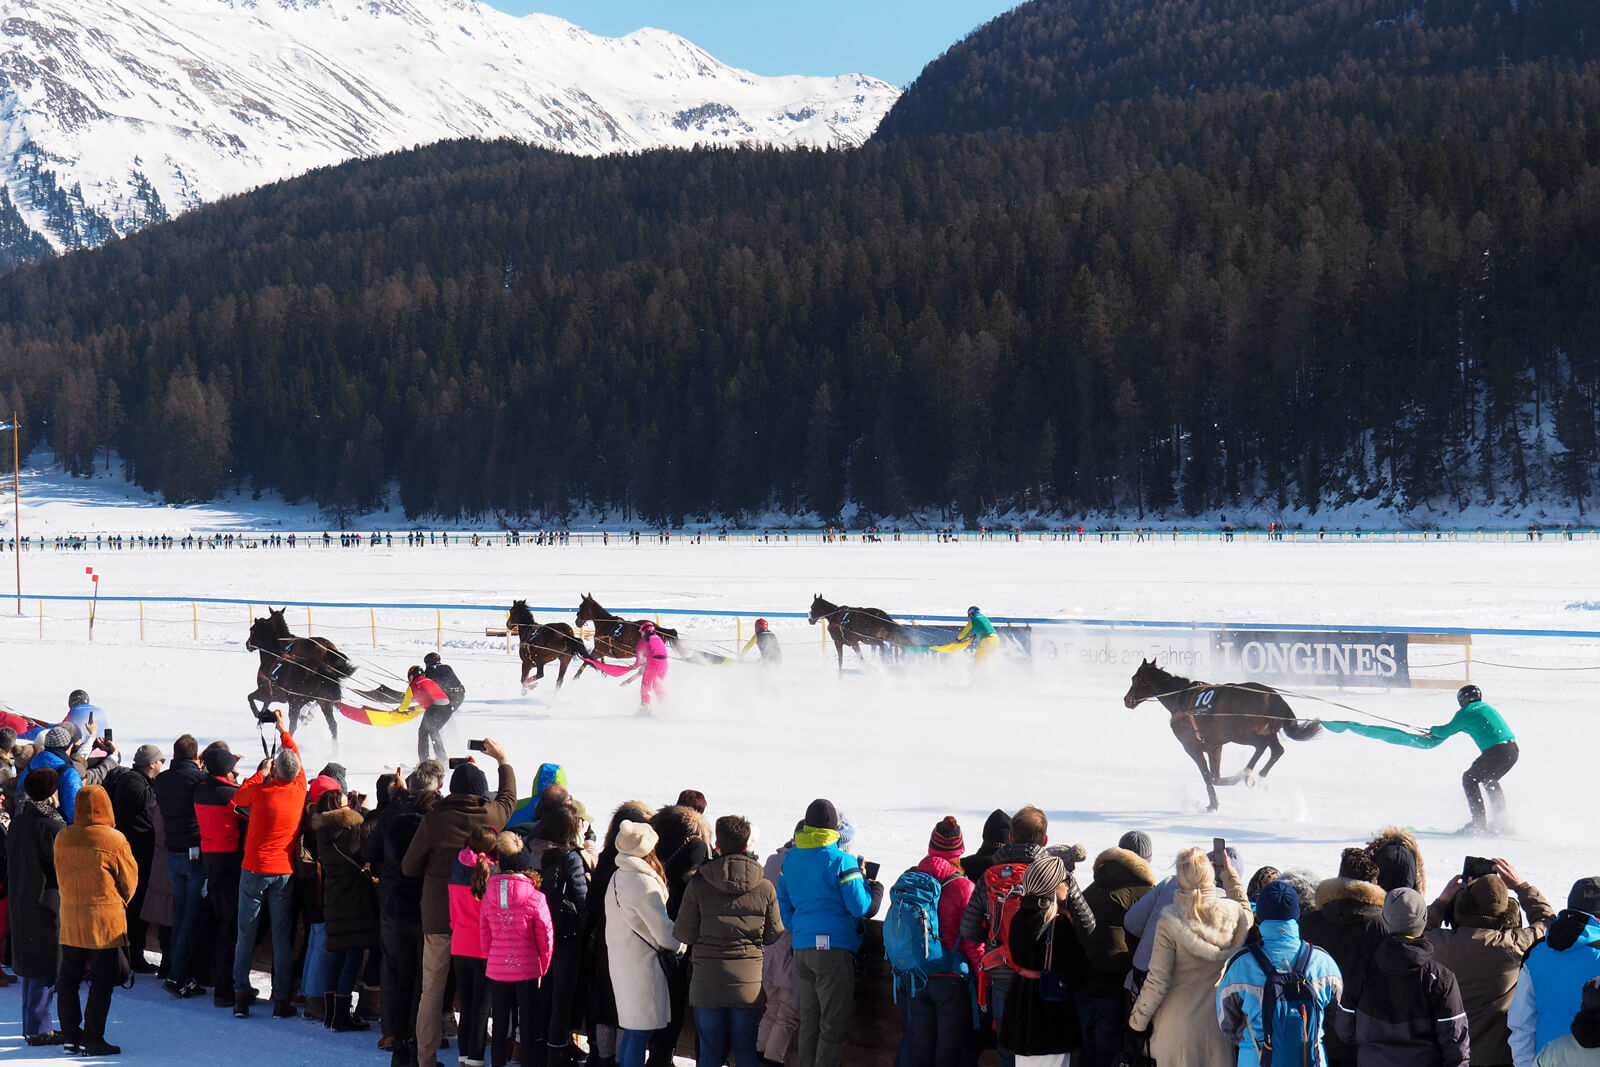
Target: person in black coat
x,y
400,926
601,1009
1046,936
554,842
1405,1009
133,803
684,843
996,833
35,901
350,912
1347,924
174,788
429,730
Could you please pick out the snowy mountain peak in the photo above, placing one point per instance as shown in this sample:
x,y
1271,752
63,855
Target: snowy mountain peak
x,y
118,113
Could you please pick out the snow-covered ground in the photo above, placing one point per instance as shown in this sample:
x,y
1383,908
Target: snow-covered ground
x,y
895,748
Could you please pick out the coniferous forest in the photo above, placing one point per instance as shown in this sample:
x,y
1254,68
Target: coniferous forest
x,y
1142,256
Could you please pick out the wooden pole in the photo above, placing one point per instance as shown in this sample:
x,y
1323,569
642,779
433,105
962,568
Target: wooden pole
x,y
310,629
372,615
141,622
195,608
438,632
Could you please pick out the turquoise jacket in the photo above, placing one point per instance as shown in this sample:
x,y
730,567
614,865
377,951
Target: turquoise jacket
x,y
978,627
823,892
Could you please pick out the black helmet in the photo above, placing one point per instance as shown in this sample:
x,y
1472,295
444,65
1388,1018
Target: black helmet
x,y
414,673
1468,694
76,697
431,659
972,611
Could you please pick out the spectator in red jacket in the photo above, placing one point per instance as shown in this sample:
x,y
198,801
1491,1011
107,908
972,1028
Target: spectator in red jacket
x,y
276,803
222,855
937,1018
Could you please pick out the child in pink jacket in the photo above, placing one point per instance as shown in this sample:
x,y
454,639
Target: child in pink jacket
x,y
518,938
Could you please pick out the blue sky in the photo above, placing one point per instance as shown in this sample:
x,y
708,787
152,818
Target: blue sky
x,y
890,39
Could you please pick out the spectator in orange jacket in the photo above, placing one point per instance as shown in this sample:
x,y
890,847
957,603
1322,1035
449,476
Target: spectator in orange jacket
x,y
276,803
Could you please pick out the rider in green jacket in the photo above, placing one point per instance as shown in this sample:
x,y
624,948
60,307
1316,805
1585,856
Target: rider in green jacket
x,y
1497,749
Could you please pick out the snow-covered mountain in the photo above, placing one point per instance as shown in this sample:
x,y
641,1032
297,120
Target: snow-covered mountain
x,y
118,113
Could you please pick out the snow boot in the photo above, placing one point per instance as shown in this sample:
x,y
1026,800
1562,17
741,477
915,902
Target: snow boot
x,y
329,1010
344,1020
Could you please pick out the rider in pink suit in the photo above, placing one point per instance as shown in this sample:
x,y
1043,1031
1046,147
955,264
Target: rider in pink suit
x,y
650,656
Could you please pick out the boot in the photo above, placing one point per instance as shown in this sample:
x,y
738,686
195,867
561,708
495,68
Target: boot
x,y
241,1004
330,1010
344,1020
317,1009
98,1046
404,1053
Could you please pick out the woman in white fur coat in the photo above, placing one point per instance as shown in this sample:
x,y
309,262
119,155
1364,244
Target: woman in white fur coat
x,y
637,925
1194,938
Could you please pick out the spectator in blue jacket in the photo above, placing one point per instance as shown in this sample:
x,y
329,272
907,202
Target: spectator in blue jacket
x,y
57,755
1239,994
824,898
1550,987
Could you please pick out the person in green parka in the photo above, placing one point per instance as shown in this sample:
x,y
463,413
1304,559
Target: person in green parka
x,y
981,633
1497,750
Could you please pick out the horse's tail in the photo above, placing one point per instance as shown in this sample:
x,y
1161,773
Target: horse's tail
x,y
573,645
1302,729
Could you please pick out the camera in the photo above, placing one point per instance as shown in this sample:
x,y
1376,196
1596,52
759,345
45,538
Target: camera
x,y
872,871
1476,867
456,761
266,715
475,746
106,733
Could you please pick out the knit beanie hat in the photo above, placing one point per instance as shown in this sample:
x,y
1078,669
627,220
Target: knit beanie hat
x,y
1397,866
1043,876
321,786
997,827
1484,902
57,738
218,761
946,839
514,855
822,815
1278,900
1405,912
1585,896
1138,842
636,838
467,778
1356,864
336,771
145,755
847,832
41,783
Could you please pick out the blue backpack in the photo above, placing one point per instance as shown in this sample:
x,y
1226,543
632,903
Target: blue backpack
x,y
1290,1015
911,932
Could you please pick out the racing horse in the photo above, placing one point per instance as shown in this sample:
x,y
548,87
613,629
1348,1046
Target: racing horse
x,y
855,627
296,671
1205,717
614,636
542,643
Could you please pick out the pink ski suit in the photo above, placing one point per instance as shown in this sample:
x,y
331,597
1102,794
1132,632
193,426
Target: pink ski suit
x,y
651,654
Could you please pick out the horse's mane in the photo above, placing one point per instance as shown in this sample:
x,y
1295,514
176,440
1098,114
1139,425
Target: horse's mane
x,y
1177,681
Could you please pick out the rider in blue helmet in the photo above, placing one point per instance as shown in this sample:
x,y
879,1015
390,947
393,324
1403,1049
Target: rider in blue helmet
x,y
980,631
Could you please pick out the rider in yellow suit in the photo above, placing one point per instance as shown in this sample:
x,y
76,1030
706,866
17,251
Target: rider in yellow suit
x,y
980,630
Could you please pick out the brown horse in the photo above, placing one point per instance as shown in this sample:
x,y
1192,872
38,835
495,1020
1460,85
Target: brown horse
x,y
614,636
296,671
542,643
1205,717
855,627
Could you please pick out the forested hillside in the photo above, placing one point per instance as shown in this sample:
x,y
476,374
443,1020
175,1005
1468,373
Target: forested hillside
x,y
1383,287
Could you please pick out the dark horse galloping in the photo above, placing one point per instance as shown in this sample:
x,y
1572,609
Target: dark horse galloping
x,y
542,643
296,671
614,636
1205,717
855,627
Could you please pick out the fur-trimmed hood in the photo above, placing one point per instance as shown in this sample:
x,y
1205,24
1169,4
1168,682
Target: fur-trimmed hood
x,y
1383,848
677,824
1354,889
1213,936
1118,867
339,818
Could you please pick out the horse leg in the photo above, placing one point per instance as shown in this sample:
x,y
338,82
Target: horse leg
x,y
561,668
330,717
838,646
1277,753
1198,755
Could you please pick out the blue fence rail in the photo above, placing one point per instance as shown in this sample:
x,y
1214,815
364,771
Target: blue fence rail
x,y
558,612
